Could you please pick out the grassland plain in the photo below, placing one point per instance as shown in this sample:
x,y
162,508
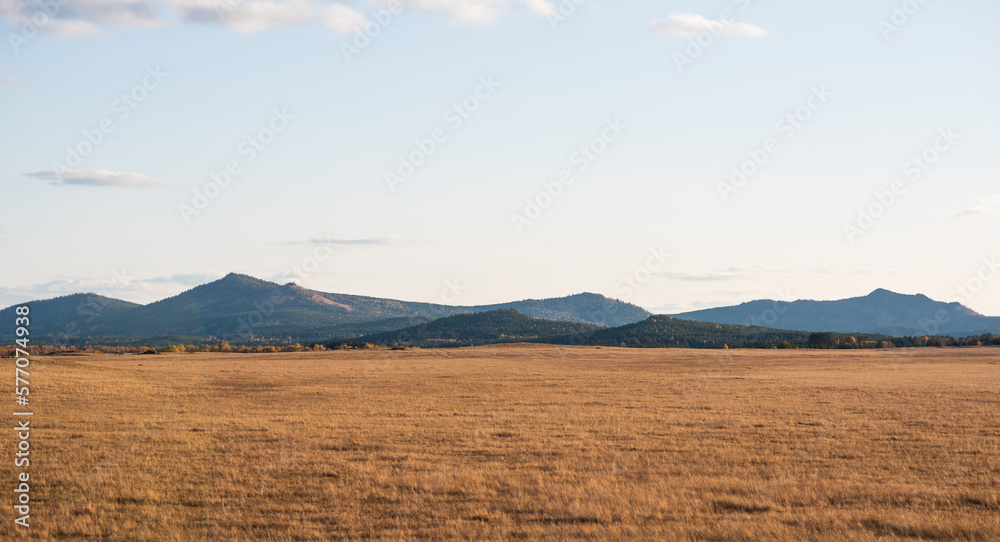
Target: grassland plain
x,y
514,442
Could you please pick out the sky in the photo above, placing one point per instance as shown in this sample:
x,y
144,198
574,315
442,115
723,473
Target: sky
x,y
674,154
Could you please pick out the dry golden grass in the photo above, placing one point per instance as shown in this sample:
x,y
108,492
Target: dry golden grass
x,y
515,443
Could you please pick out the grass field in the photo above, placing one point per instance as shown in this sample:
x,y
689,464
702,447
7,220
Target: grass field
x,y
519,442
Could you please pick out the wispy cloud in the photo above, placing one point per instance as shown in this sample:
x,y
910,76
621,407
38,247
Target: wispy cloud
x,y
365,241
8,81
541,7
186,279
343,19
82,18
706,276
97,177
986,206
690,24
481,12
762,271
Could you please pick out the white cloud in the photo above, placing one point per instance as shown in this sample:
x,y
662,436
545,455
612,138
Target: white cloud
x,y
81,17
987,206
97,177
86,17
264,14
704,276
343,19
366,241
689,24
759,272
72,29
478,12
541,7
185,279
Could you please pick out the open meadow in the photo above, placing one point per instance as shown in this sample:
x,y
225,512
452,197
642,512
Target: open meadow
x,y
515,442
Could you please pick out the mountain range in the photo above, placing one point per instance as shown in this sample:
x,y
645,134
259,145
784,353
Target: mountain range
x,y
244,309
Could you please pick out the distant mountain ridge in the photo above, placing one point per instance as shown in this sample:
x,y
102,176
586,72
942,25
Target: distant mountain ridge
x,y
882,312
243,308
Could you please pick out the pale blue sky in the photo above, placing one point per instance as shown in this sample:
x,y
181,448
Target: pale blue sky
x,y
323,177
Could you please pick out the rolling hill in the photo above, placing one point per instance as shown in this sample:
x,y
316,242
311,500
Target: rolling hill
x,y
666,332
495,326
75,315
584,308
510,326
881,311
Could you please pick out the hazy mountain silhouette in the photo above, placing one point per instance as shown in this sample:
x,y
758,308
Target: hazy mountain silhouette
x,y
881,311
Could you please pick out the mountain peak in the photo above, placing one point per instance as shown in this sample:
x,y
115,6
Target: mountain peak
x,y
587,295
882,292
239,279
882,311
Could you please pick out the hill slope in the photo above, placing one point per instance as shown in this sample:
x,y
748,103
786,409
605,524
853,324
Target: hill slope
x,y
498,326
663,332
881,311
77,314
586,307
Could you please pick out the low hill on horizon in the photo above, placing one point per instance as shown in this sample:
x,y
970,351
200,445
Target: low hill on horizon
x,y
510,326
490,327
882,311
660,331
